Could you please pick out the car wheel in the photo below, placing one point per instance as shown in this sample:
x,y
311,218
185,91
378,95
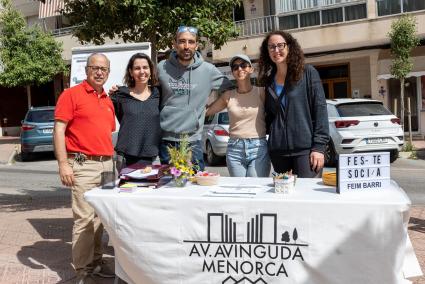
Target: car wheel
x,y
25,156
212,158
393,156
330,155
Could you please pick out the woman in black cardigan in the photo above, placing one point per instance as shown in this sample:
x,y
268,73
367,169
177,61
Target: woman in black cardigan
x,y
137,110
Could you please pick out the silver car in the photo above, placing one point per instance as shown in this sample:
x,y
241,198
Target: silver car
x,y
215,136
362,125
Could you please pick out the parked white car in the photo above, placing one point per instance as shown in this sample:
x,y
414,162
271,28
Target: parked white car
x,y
362,125
215,136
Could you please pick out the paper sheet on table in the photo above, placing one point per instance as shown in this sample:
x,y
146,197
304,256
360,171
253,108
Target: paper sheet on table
x,y
232,190
139,174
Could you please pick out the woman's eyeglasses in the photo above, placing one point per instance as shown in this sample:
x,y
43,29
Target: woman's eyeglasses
x,y
183,29
280,46
243,65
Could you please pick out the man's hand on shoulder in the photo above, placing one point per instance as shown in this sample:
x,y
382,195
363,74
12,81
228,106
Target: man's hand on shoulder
x,y
66,174
113,89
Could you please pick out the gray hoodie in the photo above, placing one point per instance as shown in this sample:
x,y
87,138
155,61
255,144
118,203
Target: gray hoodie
x,y
185,90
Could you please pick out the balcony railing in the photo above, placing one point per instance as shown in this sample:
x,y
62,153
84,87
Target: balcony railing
x,y
256,26
341,11
63,31
284,6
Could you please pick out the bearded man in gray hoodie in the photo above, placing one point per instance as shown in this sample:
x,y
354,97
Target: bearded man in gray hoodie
x,y
186,81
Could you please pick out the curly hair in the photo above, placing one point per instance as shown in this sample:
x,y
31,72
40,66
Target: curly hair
x,y
129,81
295,60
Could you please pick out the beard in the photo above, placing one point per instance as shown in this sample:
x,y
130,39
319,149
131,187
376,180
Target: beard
x,y
185,55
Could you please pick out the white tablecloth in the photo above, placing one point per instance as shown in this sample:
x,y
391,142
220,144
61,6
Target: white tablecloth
x,y
181,235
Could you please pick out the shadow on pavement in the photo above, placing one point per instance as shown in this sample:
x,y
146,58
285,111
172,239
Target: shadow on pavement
x,y
35,200
420,154
36,157
416,224
54,251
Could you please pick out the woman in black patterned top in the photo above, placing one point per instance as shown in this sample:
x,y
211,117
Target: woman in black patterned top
x,y
137,110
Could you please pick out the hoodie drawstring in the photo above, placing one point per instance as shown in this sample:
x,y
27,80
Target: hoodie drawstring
x,y
189,85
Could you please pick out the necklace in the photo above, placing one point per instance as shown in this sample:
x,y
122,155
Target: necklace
x,y
142,95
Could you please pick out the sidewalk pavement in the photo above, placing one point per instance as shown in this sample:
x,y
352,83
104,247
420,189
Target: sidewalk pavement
x,y
35,235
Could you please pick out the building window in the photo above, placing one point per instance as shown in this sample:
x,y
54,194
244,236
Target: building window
x,y
355,12
288,22
413,5
389,7
310,19
332,16
323,17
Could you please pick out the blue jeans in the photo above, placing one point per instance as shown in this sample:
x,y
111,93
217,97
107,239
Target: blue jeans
x,y
197,154
248,157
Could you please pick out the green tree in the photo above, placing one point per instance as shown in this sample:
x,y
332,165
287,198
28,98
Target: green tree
x,y
154,21
403,39
28,56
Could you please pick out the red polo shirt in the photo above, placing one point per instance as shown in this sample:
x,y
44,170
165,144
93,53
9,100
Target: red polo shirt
x,y
90,117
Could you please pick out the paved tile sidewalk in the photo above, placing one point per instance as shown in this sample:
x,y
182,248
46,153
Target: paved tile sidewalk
x,y
35,240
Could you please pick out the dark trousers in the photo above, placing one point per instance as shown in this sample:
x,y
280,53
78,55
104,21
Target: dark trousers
x,y
197,154
300,165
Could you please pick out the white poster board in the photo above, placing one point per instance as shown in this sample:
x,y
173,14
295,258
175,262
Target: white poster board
x,y
363,171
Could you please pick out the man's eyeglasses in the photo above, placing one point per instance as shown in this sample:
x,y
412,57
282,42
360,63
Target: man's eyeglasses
x,y
242,65
99,68
183,29
281,46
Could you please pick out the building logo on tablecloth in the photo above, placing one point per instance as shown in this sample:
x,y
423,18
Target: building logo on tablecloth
x,y
257,248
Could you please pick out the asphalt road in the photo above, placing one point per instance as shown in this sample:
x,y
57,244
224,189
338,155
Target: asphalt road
x,y
40,177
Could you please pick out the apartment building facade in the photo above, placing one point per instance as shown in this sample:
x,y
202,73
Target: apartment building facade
x,y
346,40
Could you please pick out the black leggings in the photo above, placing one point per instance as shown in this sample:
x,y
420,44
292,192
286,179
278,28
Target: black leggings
x,y
300,165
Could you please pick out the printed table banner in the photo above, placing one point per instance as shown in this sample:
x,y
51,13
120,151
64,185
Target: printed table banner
x,y
314,235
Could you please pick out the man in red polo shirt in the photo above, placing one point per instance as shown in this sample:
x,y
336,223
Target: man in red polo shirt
x,y
84,122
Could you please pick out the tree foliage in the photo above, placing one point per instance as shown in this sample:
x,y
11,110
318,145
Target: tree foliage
x,y
28,55
403,39
150,20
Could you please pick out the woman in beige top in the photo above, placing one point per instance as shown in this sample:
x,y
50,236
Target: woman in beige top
x,y
247,154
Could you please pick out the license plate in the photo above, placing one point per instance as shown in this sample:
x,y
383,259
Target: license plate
x,y
43,148
47,130
376,140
